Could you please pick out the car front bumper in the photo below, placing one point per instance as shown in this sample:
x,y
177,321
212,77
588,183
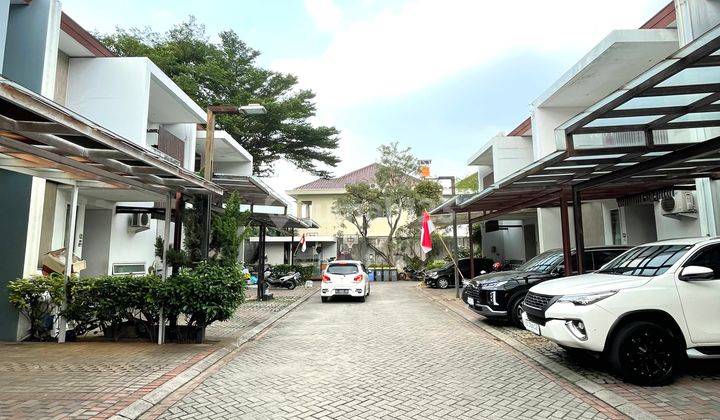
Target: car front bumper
x,y
596,319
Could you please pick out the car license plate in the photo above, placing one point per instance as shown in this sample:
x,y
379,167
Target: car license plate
x,y
342,292
531,326
471,301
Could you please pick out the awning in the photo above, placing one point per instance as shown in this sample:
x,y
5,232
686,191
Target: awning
x,y
42,138
640,138
251,189
280,221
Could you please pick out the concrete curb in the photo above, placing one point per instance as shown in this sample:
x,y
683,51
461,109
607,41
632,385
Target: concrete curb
x,y
610,398
148,401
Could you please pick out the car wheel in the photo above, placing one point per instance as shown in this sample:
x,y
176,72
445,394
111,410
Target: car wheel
x,y
515,312
645,353
443,283
324,298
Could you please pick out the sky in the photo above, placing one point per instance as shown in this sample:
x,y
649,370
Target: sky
x,y
442,77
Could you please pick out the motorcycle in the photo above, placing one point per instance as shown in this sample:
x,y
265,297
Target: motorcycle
x,y
288,281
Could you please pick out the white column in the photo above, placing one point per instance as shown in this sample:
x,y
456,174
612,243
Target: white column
x,y
166,241
69,245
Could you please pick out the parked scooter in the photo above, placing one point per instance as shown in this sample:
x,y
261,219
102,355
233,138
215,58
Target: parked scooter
x,y
288,281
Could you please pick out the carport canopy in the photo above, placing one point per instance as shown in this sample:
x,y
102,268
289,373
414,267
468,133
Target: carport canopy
x,y
41,138
660,131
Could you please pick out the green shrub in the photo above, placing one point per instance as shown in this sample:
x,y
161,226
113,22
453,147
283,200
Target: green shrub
x,y
207,293
109,302
35,298
306,272
435,264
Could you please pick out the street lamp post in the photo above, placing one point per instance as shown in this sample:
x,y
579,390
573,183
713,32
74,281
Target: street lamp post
x,y
208,159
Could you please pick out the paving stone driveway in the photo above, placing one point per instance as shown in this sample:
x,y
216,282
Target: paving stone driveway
x,y
396,355
693,395
97,379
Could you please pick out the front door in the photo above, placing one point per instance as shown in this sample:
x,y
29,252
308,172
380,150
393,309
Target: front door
x,y
701,299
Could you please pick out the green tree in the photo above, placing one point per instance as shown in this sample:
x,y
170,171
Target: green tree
x,y
228,231
394,194
226,72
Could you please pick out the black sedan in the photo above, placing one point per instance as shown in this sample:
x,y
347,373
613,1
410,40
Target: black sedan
x,y
444,276
499,295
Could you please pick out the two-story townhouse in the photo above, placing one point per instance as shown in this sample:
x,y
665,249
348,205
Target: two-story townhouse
x,y
625,210
315,200
95,151
601,71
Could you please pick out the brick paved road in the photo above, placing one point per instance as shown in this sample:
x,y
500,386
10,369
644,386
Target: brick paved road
x,y
693,395
397,355
99,378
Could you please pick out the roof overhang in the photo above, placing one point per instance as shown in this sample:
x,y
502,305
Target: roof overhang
x,y
622,55
251,189
330,191
168,103
226,148
603,155
280,221
44,139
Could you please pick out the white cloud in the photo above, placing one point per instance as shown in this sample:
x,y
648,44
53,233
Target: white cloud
x,y
402,50
325,13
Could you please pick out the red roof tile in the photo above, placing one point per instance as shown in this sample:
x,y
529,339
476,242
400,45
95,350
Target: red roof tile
x,y
364,174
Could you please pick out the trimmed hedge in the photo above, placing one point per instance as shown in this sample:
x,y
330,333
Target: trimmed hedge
x,y
130,305
306,271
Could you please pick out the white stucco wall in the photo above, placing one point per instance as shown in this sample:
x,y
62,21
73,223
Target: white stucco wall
x,y
544,123
669,228
113,92
511,154
98,230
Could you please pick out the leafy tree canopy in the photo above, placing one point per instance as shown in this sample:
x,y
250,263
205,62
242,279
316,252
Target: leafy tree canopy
x,y
394,195
226,72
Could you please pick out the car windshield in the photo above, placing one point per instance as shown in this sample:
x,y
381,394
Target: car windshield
x,y
342,269
544,262
646,261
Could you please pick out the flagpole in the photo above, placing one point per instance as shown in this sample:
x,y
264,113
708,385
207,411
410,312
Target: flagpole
x,y
451,255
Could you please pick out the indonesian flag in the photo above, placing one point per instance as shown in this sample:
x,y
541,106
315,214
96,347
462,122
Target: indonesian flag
x,y
302,243
426,230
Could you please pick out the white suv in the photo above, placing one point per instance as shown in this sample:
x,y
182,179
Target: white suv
x,y
645,310
345,278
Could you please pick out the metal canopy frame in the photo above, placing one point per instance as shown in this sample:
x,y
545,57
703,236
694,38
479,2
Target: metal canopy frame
x,y
252,189
661,130
42,138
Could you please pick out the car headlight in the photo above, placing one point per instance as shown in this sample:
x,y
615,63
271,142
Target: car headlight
x,y
466,283
587,298
495,286
433,275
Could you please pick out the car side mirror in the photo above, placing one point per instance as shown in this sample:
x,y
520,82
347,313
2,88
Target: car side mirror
x,y
559,271
696,273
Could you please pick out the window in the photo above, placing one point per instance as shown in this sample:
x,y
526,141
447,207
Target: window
x,y
342,269
305,209
544,262
646,261
129,268
601,258
707,257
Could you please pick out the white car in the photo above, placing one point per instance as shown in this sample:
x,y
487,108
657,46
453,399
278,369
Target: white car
x,y
646,310
345,278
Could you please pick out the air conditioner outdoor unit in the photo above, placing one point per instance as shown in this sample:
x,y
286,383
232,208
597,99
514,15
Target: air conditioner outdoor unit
x,y
139,222
680,205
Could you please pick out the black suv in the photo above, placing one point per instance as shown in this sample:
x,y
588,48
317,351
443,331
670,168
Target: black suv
x,y
499,295
444,276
